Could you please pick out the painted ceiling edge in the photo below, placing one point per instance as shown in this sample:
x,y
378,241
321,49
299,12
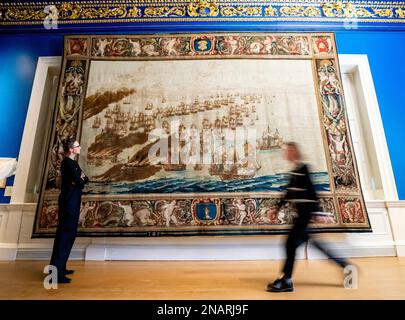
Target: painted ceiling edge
x,y
344,15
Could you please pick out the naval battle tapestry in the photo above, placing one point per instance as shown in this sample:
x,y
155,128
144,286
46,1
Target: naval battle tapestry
x,y
183,134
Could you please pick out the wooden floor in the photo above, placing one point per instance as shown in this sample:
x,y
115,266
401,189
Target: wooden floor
x,y
379,278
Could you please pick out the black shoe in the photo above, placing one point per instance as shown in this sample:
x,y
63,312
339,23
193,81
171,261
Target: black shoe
x,y
281,285
271,284
67,271
64,280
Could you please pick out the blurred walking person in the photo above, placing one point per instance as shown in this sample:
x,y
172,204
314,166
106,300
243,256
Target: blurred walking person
x,y
301,192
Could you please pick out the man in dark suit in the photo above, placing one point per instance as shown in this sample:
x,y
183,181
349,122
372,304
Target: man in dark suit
x,y
72,183
300,192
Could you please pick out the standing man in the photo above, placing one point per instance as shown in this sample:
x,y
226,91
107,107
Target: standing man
x,y
301,192
73,181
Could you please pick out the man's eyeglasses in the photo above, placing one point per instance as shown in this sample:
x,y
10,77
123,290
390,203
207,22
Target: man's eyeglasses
x,y
78,146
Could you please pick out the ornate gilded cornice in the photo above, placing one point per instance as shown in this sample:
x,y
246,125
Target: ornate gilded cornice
x,y
115,11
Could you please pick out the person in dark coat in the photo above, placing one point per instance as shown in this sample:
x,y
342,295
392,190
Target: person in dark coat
x,y
73,180
300,192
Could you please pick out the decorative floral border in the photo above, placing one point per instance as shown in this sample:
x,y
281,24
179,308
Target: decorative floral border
x,y
254,214
151,215
251,45
114,11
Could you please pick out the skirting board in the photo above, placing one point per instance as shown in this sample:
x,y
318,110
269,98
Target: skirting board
x,y
8,252
45,254
400,246
188,252
99,252
369,249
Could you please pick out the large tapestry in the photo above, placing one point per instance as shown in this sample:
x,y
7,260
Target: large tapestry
x,y
183,134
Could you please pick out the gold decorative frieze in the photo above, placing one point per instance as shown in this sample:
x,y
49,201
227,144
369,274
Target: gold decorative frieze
x,y
114,11
292,11
270,11
345,10
202,9
384,12
364,13
300,11
134,12
165,12
400,12
312,12
241,11
20,14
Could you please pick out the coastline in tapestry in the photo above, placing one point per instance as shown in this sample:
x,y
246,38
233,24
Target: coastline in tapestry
x,y
196,104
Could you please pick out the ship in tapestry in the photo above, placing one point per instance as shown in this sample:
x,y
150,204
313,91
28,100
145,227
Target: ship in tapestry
x,y
178,139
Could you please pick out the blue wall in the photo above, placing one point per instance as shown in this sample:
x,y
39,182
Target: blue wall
x,y
385,50
18,56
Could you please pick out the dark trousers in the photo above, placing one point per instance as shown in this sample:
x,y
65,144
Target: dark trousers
x,y
65,237
299,235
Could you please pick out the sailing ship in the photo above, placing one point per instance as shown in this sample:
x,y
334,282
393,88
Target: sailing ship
x,y
270,140
149,124
108,114
206,124
245,168
96,123
133,123
174,167
239,120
